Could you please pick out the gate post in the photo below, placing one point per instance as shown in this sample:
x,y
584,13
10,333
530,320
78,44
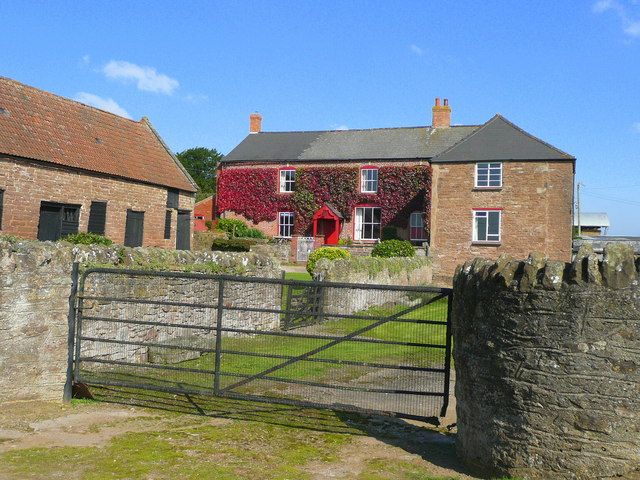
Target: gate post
x,y
71,334
216,374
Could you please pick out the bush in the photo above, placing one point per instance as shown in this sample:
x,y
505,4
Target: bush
x,y
330,253
345,241
232,244
393,248
83,238
389,233
237,228
208,224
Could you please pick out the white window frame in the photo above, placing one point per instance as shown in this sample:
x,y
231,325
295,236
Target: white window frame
x,y
493,175
488,237
287,180
419,216
360,223
369,180
285,224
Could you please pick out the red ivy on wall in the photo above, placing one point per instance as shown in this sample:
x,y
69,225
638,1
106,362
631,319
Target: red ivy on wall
x,y
254,193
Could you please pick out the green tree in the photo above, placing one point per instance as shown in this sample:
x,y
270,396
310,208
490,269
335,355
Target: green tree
x,y
201,163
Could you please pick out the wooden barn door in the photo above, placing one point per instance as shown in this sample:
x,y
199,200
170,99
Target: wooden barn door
x,y
183,235
134,229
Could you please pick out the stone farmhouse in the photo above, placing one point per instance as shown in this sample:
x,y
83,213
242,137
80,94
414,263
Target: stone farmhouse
x,y
472,190
66,167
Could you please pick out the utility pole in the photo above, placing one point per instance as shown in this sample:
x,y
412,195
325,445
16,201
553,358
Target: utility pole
x,y
579,184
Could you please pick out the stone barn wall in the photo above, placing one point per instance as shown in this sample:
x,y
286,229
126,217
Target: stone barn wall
x,y
547,359
35,284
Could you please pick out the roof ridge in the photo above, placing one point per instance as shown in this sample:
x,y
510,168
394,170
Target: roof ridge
x,y
66,99
362,129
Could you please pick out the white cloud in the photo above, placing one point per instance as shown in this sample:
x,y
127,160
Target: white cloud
x,y
107,104
416,49
636,127
630,23
146,78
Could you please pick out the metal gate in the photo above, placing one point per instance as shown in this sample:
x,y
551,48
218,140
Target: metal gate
x,y
305,247
371,348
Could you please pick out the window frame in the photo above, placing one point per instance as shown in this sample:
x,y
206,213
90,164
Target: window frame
x,y
287,226
283,181
489,166
360,223
363,181
486,212
411,227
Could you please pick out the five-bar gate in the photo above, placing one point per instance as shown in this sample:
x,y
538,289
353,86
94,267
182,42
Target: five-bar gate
x,y
370,348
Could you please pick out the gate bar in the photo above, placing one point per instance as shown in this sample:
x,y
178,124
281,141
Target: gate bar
x,y
71,320
216,375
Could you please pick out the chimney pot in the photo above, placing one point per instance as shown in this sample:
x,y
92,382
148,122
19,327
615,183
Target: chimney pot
x,y
255,123
441,114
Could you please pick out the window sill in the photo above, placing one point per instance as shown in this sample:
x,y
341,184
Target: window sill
x,y
487,244
287,193
485,189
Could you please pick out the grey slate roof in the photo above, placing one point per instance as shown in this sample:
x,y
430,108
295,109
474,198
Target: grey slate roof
x,y
497,139
500,140
375,143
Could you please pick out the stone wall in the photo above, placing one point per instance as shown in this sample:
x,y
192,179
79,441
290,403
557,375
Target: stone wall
x,y
372,271
35,284
547,359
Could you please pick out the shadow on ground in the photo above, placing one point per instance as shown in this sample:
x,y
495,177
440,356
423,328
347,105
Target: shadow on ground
x,y
436,446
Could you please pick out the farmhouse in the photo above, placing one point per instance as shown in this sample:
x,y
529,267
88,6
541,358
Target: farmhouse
x,y
473,190
66,167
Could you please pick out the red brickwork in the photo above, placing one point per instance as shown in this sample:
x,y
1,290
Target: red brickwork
x,y
536,198
26,183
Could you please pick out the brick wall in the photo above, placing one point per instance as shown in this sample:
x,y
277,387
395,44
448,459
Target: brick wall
x,y
27,183
536,199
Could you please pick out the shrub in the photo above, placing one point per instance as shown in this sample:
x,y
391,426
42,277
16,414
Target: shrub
x,y
330,253
232,244
237,228
345,241
393,248
208,224
83,238
390,233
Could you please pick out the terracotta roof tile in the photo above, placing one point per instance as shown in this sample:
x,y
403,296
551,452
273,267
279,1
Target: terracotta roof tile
x,y
42,126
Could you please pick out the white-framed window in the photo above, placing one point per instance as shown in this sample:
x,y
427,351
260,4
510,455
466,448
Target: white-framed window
x,y
285,224
416,226
367,225
369,180
287,180
488,174
486,225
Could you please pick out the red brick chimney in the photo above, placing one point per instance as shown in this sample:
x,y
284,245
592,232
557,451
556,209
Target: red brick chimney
x,y
255,123
441,114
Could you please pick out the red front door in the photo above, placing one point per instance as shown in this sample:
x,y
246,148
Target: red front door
x,y
330,229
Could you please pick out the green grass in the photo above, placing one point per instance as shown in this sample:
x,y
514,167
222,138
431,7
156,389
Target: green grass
x,y
302,276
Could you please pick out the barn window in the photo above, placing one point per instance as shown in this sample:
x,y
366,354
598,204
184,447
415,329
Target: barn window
x,y
97,218
167,225
57,220
173,198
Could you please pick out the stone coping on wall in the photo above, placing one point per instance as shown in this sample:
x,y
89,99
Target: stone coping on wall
x,y
395,270
619,268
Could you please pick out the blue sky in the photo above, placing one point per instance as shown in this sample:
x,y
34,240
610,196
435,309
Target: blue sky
x,y
568,72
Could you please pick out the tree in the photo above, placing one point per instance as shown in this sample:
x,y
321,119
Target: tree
x,y
201,163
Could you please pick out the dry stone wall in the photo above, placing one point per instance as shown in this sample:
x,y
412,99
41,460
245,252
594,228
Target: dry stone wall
x,y
547,359
35,284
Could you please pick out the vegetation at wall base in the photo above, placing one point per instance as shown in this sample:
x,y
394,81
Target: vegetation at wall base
x,y
393,248
237,228
83,238
232,244
330,253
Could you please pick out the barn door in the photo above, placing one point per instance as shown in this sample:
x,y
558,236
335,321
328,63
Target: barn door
x,y
183,234
57,220
134,229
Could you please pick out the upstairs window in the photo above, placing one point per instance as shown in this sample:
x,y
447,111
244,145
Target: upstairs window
x,y
369,180
486,225
367,225
173,198
416,227
489,175
287,180
285,224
